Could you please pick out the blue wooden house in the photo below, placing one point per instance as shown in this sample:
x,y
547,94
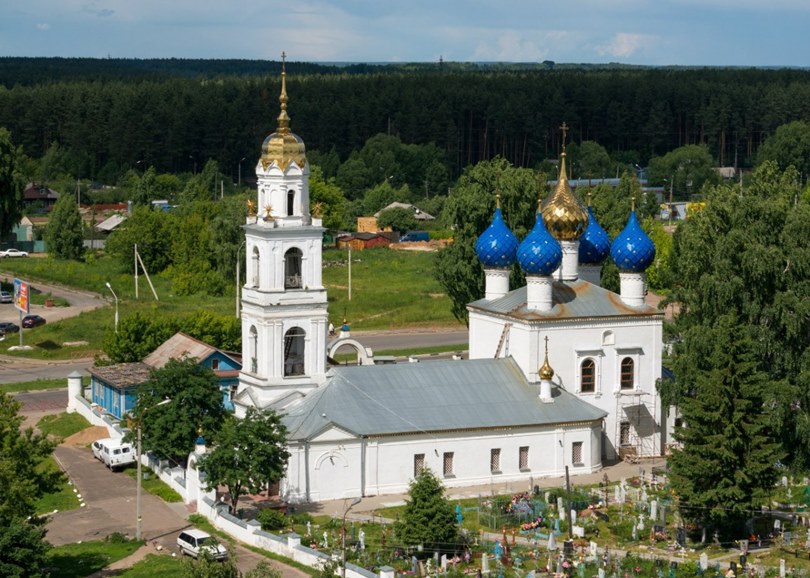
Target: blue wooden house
x,y
114,387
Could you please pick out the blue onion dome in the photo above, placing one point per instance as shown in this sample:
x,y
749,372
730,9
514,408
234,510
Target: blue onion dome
x,y
632,250
497,245
539,253
594,245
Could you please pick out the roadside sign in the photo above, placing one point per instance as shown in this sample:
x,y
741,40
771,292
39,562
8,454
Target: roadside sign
x,y
21,294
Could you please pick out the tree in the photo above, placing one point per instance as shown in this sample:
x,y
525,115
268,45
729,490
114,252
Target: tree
x,y
196,402
727,464
151,231
788,146
382,195
589,160
686,170
138,335
746,253
11,183
398,218
328,198
249,453
64,235
428,518
22,534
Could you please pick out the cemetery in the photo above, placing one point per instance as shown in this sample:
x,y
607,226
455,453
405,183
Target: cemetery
x,y
620,529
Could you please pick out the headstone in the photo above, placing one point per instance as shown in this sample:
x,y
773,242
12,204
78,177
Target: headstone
x,y
784,481
654,510
623,498
556,525
617,494
362,538
415,564
635,532
573,517
498,550
444,563
578,531
594,550
309,528
484,563
782,568
641,523
560,505
560,566
601,573
788,536
644,495
777,524
325,542
704,561
552,542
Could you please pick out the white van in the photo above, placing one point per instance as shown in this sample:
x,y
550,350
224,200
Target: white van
x,y
114,452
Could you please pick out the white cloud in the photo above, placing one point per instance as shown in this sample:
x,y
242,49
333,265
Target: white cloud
x,y
43,26
624,44
508,45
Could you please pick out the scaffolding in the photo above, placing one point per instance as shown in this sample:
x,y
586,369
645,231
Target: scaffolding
x,y
636,427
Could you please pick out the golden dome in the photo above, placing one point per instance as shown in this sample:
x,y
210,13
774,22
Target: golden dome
x,y
546,373
564,216
283,146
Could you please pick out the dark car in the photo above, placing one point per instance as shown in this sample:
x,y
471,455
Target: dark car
x,y
32,321
9,327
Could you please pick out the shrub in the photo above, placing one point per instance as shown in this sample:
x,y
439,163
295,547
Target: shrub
x,y
272,519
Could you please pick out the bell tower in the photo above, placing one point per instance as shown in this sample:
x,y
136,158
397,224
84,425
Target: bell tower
x,y
284,308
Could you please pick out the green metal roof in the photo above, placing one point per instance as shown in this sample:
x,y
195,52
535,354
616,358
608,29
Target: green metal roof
x,y
431,396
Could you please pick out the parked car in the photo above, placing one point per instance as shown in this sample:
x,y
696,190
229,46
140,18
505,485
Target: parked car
x,y
9,327
114,452
30,321
13,253
6,297
193,542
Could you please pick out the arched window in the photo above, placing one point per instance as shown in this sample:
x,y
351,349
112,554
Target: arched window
x,y
254,267
292,268
627,379
254,350
587,377
290,203
294,352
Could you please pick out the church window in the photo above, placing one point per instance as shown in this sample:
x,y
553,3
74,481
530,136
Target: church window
x,y
418,464
294,352
587,379
292,268
290,203
254,266
627,379
576,453
624,433
447,465
495,460
254,350
523,458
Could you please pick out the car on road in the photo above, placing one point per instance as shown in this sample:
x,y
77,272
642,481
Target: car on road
x,y
195,542
30,321
13,253
6,297
9,327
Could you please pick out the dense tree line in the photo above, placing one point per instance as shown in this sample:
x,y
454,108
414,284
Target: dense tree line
x,y
177,123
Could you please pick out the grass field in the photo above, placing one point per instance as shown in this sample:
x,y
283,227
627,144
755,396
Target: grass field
x,y
390,290
79,560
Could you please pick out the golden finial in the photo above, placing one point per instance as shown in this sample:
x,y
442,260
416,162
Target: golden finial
x,y
283,118
589,197
199,429
317,210
268,212
546,373
633,202
497,199
564,129
563,215
251,208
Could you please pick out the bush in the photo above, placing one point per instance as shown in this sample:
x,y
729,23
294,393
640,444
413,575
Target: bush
x,y
301,518
272,519
116,538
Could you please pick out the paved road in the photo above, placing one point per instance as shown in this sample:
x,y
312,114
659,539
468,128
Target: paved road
x,y
110,499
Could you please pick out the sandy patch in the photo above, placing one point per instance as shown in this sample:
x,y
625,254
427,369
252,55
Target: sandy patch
x,y
87,436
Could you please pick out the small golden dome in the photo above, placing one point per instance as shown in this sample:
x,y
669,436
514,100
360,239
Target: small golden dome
x,y
564,216
546,373
283,146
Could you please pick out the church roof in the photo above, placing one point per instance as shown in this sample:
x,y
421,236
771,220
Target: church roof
x,y
572,299
435,396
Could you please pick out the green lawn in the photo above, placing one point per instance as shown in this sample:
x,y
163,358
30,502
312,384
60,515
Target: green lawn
x,y
390,290
62,425
79,560
38,385
64,499
154,485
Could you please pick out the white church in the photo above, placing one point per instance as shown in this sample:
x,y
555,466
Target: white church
x,y
562,373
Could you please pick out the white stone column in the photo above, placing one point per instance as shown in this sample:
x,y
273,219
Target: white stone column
x,y
591,274
633,287
75,389
496,283
539,292
570,260
545,391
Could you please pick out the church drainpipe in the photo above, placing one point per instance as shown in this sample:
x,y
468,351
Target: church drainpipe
x,y
306,467
363,466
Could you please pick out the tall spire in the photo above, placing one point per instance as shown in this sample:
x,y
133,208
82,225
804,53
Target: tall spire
x,y
283,118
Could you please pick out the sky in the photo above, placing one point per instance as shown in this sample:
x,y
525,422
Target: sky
x,y
643,32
